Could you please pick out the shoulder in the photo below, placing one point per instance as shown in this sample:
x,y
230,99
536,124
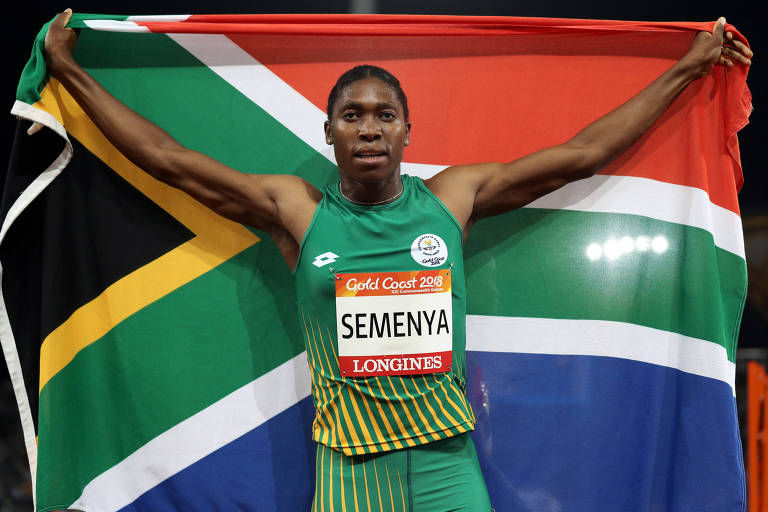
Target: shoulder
x,y
288,186
457,187
461,175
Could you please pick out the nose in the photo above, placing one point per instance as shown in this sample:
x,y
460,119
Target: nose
x,y
369,128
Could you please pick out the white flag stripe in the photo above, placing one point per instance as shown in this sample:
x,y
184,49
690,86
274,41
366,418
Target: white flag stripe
x,y
159,17
423,171
7,339
258,402
115,26
600,338
655,199
636,196
259,84
200,435
608,194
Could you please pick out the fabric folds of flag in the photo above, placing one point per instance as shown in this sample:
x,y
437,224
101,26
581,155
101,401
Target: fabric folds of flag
x,y
154,347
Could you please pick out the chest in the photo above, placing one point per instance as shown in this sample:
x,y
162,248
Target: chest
x,y
395,240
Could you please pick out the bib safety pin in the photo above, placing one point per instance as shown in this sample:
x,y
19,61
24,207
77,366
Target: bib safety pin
x,y
449,268
330,269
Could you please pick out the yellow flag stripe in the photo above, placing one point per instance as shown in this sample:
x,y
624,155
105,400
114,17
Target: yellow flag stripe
x,y
216,241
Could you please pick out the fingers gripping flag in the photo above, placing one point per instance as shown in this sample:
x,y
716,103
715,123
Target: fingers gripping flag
x,y
155,349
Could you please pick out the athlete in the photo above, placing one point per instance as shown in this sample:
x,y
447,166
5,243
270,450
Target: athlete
x,y
383,314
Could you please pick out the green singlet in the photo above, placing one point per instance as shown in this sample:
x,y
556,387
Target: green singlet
x,y
381,295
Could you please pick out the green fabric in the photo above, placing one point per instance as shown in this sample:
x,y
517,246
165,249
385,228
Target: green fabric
x,y
694,288
91,427
253,286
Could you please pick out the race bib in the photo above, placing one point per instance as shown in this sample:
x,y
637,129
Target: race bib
x,y
394,323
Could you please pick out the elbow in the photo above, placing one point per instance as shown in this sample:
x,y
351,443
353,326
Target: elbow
x,y
589,161
162,164
584,172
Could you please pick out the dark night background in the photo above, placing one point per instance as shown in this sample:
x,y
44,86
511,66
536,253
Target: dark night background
x,y
24,20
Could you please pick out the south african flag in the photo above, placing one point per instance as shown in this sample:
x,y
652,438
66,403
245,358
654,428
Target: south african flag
x,y
155,348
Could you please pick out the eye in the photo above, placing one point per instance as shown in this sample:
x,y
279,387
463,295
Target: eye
x,y
350,115
388,116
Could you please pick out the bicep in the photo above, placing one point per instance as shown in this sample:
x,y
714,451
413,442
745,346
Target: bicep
x,y
506,187
474,191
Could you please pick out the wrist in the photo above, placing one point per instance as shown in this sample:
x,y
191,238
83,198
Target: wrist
x,y
59,62
687,70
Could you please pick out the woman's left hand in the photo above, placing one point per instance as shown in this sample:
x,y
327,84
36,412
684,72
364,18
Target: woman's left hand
x,y
716,48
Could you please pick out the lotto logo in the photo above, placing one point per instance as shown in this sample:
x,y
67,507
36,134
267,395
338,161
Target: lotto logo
x,y
324,259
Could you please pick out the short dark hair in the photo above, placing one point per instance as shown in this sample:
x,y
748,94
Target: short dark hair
x,y
367,71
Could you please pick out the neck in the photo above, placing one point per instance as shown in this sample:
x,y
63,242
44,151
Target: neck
x,y
370,193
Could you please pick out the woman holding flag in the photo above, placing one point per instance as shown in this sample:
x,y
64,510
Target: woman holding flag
x,y
383,310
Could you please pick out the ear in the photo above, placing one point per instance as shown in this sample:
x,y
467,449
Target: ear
x,y
328,134
407,133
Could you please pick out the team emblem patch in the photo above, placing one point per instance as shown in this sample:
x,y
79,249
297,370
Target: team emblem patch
x,y
429,250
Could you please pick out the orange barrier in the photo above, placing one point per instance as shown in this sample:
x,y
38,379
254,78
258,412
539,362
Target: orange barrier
x,y
757,437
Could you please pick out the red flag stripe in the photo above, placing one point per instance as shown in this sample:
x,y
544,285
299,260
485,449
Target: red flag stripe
x,y
292,23
459,86
458,96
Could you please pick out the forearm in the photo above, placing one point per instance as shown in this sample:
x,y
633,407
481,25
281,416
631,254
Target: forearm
x,y
140,140
612,134
500,187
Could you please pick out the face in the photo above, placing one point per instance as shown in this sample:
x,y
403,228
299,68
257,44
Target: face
x,y
368,131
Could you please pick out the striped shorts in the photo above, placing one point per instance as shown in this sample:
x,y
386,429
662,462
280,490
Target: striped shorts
x,y
435,477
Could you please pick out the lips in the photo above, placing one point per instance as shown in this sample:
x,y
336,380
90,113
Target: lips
x,y
370,154
373,157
